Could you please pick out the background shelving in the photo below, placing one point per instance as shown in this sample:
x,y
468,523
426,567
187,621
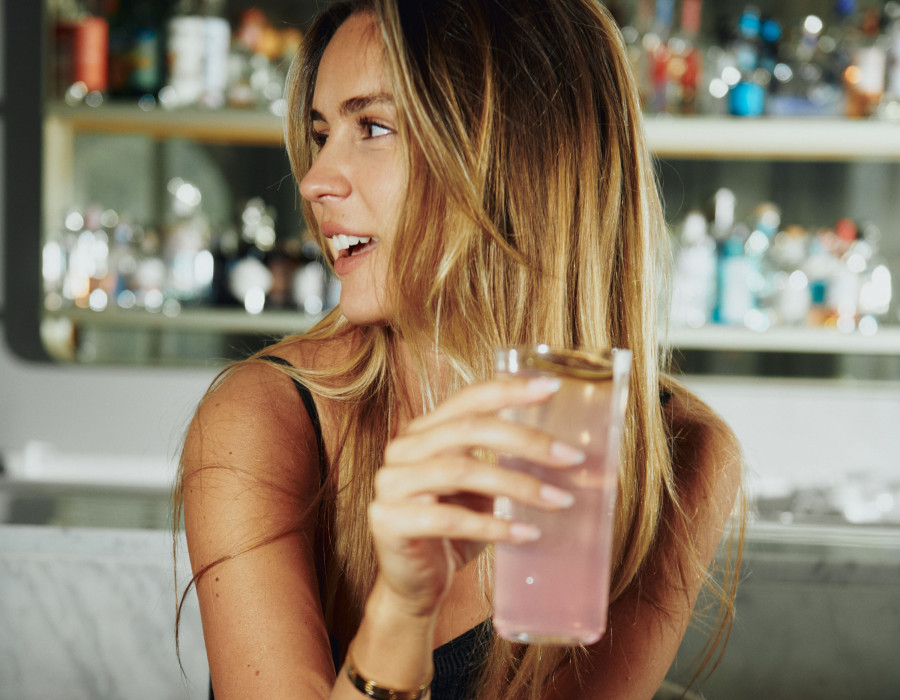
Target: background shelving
x,y
719,139
715,138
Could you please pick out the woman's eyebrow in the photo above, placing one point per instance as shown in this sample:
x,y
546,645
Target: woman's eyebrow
x,y
354,105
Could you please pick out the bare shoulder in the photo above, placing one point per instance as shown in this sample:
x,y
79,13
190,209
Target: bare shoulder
x,y
251,485
706,456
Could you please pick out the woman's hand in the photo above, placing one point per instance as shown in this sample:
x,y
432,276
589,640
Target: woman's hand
x,y
432,510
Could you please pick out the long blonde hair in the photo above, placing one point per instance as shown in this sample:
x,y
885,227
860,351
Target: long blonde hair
x,y
532,215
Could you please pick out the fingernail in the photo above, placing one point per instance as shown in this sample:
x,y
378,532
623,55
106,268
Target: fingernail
x,y
566,453
523,532
542,386
556,497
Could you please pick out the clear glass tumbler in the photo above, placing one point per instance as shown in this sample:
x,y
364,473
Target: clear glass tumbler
x,y
556,589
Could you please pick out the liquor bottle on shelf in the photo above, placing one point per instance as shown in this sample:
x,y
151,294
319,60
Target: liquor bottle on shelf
x,y
188,258
875,284
734,272
685,66
889,109
842,300
199,40
311,282
748,97
658,56
216,47
81,37
839,41
137,50
757,249
186,55
791,293
694,279
249,278
865,76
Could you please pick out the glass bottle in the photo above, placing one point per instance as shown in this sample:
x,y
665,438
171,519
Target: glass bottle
x,y
137,49
694,280
685,66
81,38
890,104
864,78
748,97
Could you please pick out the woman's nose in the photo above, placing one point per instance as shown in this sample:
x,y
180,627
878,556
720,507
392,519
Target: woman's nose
x,y
324,179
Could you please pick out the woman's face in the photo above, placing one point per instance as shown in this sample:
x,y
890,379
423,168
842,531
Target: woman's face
x,y
358,177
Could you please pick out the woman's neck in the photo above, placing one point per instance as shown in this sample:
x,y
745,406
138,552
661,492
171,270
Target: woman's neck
x,y
412,397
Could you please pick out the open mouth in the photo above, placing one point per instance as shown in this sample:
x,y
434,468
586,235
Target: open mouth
x,y
349,246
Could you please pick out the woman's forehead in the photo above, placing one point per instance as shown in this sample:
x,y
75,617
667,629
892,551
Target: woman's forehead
x,y
352,64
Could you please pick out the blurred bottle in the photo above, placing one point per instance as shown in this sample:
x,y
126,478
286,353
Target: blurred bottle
x,y
216,47
757,248
187,245
658,55
791,293
770,34
694,281
748,97
734,272
819,268
283,262
686,59
842,300
199,42
249,278
137,49
186,54
864,77
890,105
151,273
875,287
310,284
247,40
720,69
81,38
226,249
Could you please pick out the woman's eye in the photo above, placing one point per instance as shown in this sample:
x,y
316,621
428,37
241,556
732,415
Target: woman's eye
x,y
374,130
319,138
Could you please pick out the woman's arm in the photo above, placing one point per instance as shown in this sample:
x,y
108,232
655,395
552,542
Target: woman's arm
x,y
251,477
647,623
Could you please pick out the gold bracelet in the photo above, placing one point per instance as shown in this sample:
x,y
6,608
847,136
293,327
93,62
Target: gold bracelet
x,y
371,689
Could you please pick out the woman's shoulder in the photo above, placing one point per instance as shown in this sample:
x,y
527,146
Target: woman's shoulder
x,y
706,454
252,416
266,380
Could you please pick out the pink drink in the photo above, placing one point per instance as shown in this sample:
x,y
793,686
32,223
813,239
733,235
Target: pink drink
x,y
556,590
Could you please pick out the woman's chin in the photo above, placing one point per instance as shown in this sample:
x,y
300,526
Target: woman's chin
x,y
364,314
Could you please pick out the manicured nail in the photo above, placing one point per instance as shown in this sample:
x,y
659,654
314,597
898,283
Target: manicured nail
x,y
543,386
566,453
556,497
523,532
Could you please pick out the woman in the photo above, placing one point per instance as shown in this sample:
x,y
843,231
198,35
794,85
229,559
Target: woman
x,y
476,172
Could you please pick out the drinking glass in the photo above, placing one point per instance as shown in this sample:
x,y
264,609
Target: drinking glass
x,y
556,590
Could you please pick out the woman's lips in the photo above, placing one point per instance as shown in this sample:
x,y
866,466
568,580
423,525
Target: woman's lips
x,y
348,260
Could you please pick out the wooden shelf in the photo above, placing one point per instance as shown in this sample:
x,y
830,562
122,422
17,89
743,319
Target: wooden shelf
x,y
716,138
226,126
724,338
193,320
790,340
732,138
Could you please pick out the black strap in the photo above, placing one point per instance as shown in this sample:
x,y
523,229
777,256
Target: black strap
x,y
310,405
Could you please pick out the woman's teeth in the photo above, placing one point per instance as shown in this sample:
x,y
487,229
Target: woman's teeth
x,y
341,241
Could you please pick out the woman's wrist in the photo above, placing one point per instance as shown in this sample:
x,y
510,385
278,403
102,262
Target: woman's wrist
x,y
372,688
389,624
